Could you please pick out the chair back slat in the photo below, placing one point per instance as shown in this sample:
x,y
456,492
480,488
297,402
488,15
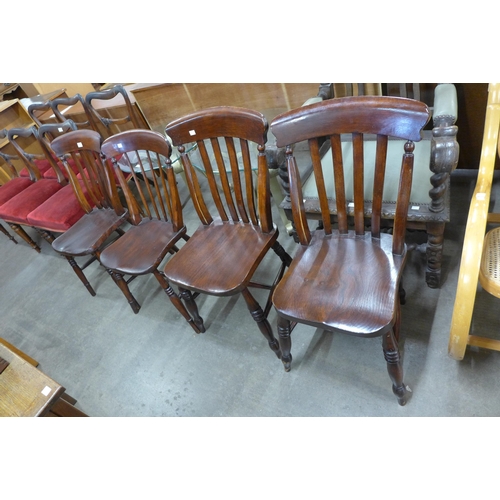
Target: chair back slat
x,y
320,183
222,171
89,176
237,182
358,182
212,182
151,187
378,183
249,182
357,116
231,149
338,175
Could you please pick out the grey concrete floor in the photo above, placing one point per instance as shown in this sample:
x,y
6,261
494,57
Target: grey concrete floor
x,y
118,364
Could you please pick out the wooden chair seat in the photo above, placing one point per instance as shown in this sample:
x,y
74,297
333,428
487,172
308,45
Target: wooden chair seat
x,y
141,248
235,210
345,280
89,233
304,293
210,275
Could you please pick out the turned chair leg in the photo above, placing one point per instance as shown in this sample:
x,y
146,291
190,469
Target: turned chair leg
x,y
191,306
284,331
25,236
123,286
49,237
4,231
390,341
262,322
176,301
78,271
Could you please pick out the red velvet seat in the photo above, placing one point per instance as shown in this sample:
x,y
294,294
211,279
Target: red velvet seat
x,y
58,213
17,209
46,170
13,187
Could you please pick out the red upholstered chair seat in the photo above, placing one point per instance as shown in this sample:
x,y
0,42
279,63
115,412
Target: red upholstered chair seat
x,y
17,208
13,187
46,170
58,213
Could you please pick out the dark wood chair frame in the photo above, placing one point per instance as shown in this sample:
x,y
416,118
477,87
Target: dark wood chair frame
x,y
237,216
327,285
155,213
104,214
430,217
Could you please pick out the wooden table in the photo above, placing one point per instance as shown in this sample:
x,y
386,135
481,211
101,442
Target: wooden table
x,y
25,391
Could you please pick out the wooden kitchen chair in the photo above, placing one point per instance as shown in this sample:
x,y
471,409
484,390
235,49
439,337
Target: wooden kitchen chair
x,y
347,280
436,156
155,212
237,229
80,153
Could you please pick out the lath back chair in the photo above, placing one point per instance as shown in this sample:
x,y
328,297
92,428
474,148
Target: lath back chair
x,y
93,186
237,228
436,155
155,212
341,279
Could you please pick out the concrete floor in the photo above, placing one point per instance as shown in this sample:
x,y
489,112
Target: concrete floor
x,y
118,364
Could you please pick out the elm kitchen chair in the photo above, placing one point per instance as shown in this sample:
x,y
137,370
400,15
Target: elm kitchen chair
x,y
154,209
436,156
349,280
237,229
95,189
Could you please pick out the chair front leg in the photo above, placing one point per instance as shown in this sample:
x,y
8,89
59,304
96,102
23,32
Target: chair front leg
x,y
176,301
78,271
394,365
25,236
4,231
191,306
123,286
284,331
263,324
